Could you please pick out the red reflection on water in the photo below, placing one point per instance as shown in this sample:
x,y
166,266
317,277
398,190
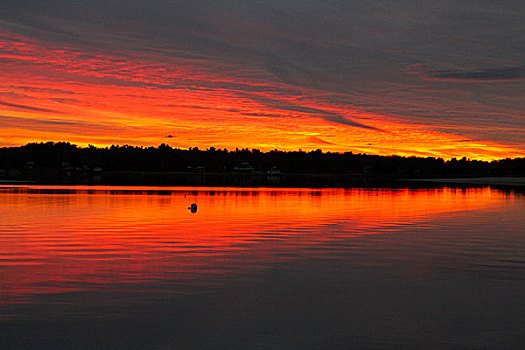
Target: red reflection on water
x,y
102,238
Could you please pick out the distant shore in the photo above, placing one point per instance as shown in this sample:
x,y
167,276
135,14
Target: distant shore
x,y
211,179
263,180
488,181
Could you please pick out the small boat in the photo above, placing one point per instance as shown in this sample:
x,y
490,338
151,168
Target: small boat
x,y
193,207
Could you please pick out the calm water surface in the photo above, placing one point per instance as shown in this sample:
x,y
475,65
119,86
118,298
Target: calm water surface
x,y
133,268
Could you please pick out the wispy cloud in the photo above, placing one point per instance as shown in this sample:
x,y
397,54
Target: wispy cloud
x,y
319,141
29,108
284,105
472,75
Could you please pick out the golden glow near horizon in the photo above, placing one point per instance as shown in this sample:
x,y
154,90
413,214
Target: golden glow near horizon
x,y
50,92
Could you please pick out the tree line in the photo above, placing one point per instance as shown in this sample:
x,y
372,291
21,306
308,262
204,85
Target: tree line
x,y
164,158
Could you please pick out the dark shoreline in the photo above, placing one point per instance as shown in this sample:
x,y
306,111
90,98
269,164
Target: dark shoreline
x,y
212,179
257,180
65,163
513,181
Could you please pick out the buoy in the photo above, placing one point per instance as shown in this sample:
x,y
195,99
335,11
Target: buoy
x,y
193,207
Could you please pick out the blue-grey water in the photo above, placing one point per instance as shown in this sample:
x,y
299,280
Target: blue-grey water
x,y
134,268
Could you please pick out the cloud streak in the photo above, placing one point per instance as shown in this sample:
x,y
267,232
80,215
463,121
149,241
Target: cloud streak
x,y
329,116
28,108
474,75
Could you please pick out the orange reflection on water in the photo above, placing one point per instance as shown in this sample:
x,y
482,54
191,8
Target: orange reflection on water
x,y
108,238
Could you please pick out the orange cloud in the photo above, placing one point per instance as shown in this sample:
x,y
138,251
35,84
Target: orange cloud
x,y
50,92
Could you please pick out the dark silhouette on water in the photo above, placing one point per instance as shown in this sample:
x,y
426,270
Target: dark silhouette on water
x,y
193,208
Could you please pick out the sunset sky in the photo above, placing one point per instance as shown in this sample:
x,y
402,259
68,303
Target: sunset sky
x,y
426,78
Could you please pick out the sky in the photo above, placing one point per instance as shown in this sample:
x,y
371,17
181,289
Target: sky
x,y
425,78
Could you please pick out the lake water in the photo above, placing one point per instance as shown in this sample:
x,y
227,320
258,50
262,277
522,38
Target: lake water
x,y
133,268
